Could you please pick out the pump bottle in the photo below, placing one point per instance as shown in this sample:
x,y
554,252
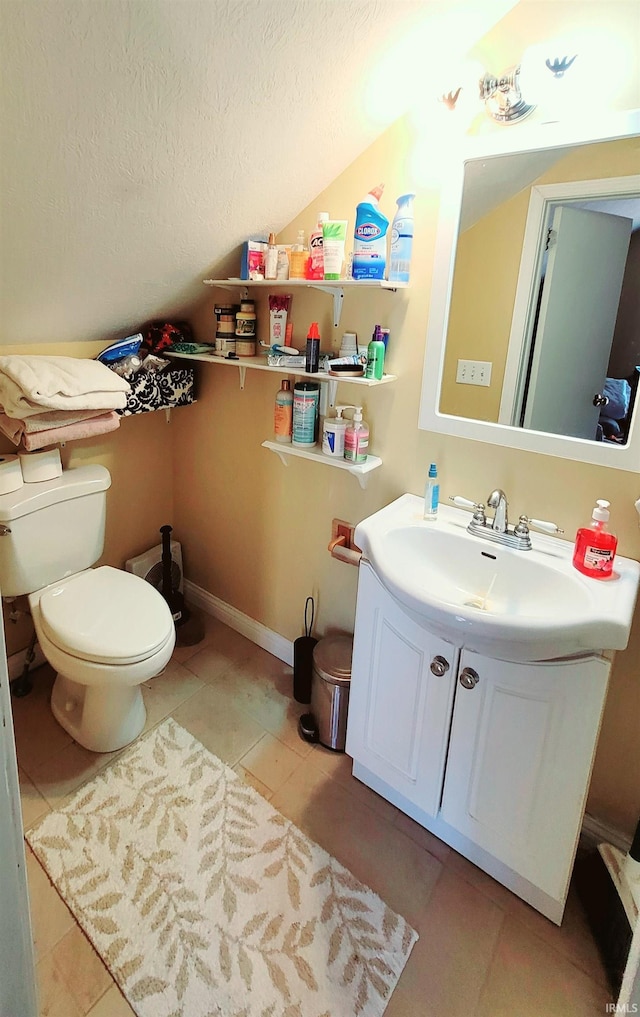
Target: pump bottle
x,y
596,546
333,432
356,437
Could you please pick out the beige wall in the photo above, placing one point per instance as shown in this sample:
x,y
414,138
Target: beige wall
x,y
486,277
256,532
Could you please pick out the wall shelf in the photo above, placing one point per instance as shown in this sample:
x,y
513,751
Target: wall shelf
x,y
259,364
358,470
335,288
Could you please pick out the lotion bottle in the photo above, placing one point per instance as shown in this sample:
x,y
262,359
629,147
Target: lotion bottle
x,y
271,259
299,258
431,494
315,263
356,438
596,546
375,356
283,413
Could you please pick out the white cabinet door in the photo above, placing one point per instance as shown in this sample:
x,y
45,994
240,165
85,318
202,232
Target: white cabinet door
x,y
520,756
399,708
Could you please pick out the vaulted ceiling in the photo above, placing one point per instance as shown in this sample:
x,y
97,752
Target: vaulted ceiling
x,y
143,140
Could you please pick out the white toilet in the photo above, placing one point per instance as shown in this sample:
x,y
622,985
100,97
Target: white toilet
x,y
103,630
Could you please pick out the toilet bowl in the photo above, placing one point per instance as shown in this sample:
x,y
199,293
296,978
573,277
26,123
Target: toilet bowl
x,y
105,632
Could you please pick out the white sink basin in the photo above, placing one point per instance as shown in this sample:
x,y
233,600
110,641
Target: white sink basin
x,y
511,604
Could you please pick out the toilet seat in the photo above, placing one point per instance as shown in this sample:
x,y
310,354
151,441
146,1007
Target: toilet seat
x,y
105,616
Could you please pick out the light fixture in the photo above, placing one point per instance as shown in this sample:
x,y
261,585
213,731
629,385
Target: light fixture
x,y
502,97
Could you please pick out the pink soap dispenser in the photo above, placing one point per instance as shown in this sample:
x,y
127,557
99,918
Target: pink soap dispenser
x,y
595,546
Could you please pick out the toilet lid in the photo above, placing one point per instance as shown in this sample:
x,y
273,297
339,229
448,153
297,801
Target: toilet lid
x,y
106,615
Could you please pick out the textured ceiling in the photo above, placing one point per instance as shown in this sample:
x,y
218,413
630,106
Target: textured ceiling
x,y
143,140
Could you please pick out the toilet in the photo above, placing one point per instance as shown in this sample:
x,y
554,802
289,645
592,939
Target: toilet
x,y
104,631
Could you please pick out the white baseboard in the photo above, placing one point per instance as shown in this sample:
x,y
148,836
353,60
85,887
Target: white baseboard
x,y
595,832
269,640
16,662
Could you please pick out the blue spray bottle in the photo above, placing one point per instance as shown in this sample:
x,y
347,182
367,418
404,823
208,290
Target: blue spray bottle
x,y
401,240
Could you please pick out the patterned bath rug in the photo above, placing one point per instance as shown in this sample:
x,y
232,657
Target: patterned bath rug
x,y
203,901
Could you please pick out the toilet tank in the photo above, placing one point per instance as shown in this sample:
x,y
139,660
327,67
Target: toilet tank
x,y
52,529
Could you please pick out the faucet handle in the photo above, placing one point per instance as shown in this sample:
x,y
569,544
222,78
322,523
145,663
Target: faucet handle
x,y
478,508
542,525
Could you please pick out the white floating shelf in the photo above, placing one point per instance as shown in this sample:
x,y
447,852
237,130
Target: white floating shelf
x,y
358,470
259,364
334,287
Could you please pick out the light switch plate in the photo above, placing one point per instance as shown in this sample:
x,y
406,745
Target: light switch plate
x,y
474,372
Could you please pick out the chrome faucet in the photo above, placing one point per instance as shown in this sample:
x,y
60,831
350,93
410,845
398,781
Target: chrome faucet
x,y
498,500
497,529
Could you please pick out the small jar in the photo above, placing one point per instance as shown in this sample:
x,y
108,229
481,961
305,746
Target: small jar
x,y
246,333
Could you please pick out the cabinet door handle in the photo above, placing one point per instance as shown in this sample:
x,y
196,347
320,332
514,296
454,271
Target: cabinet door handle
x,y
469,678
439,666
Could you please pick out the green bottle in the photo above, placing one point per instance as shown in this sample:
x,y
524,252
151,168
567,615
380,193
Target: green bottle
x,y
375,356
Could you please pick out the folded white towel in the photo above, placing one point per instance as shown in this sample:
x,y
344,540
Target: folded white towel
x,y
29,385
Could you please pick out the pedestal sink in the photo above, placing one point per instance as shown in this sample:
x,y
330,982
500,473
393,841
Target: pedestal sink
x,y
512,604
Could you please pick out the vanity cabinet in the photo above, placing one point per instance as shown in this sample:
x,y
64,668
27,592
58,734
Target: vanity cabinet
x,y
493,757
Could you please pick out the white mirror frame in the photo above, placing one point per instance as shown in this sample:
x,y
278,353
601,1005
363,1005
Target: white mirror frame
x,y
627,457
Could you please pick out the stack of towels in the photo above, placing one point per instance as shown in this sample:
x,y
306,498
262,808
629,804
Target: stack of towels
x,y
46,400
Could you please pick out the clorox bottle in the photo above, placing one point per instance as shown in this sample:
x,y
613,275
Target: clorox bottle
x,y
370,238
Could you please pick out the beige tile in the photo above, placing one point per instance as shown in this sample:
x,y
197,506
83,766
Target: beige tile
x,y
338,765
253,687
67,770
496,892
167,691
112,1004
50,916
572,939
253,782
85,975
377,854
54,997
32,803
223,648
448,965
38,734
423,837
227,732
271,761
529,978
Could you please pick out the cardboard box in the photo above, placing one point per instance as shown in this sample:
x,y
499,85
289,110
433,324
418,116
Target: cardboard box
x,y
253,258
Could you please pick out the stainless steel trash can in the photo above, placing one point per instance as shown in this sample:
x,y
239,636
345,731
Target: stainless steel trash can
x,y
330,689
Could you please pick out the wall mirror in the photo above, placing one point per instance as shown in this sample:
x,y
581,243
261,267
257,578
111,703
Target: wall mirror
x,y
533,339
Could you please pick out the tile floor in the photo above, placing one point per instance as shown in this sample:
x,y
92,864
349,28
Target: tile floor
x,y
481,950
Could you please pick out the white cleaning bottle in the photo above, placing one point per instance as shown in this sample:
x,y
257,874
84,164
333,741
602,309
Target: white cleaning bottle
x,y
333,432
401,240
